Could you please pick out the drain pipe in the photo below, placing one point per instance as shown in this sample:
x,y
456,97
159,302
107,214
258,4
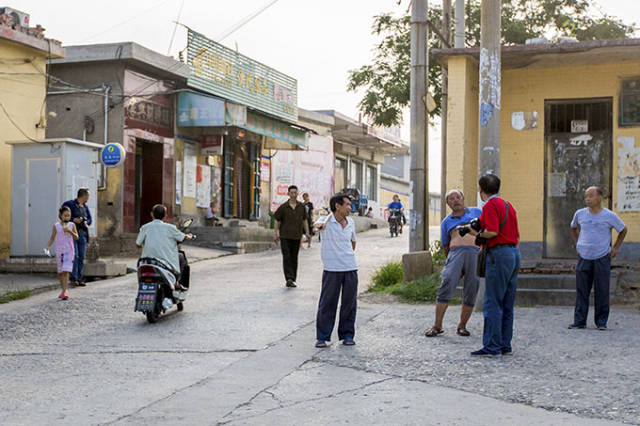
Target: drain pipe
x,y
103,169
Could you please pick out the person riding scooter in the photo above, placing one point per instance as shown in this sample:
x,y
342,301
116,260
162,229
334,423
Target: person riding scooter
x,y
159,240
397,205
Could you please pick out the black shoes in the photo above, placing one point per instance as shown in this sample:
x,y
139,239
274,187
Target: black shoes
x,y
573,326
291,284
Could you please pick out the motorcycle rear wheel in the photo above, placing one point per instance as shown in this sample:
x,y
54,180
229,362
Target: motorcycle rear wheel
x,y
152,316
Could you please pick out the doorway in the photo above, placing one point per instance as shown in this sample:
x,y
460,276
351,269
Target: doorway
x,y
149,161
578,154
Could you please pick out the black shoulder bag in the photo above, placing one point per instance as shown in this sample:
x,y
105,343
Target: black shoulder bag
x,y
482,254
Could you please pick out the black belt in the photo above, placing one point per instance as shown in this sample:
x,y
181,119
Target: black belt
x,y
501,245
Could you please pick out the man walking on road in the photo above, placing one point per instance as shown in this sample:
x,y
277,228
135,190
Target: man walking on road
x,y
81,216
291,220
591,232
462,254
339,275
500,230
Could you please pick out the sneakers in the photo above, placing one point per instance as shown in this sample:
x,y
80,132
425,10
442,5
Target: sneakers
x,y
63,296
291,283
484,353
574,326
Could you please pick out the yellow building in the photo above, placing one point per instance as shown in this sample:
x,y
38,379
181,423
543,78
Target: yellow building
x,y
23,88
569,119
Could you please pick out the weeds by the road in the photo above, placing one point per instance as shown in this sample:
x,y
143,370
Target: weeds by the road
x,y
387,276
14,295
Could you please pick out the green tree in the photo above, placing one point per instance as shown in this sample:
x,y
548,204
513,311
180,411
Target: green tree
x,y
386,80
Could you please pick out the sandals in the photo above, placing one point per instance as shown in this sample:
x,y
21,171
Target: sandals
x,y
433,332
321,344
463,332
348,341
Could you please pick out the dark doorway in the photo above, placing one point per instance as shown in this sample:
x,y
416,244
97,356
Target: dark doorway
x,y
578,152
148,179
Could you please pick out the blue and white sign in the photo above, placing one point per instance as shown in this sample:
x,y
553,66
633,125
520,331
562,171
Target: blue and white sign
x,y
112,155
200,110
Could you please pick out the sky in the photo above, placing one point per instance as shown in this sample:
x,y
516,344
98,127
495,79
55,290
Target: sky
x,y
316,42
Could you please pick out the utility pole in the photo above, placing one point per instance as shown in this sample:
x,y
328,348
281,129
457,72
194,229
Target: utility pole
x,y
419,222
460,25
446,34
489,133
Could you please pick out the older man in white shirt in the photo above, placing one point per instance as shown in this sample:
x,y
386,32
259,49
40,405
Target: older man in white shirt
x,y
340,274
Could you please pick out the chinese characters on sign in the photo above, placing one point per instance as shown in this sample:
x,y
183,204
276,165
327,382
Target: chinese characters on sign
x,y
200,110
628,175
190,159
267,127
149,112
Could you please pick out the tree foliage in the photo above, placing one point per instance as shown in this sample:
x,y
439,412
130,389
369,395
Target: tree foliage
x,y
386,80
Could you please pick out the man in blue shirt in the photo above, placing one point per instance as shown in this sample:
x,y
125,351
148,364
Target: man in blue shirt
x,y
81,216
591,232
397,205
462,254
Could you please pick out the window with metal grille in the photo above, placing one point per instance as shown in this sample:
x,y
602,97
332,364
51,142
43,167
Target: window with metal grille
x,y
560,114
630,102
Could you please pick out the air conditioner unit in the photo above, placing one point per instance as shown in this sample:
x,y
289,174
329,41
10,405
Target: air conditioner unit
x,y
19,18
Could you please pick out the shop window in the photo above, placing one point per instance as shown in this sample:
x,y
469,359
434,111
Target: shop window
x,y
340,175
630,102
372,183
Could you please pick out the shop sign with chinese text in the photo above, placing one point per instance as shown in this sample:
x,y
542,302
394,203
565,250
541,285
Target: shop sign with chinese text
x,y
275,129
223,72
200,110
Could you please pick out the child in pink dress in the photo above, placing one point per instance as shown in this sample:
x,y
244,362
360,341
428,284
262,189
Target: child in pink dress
x,y
64,232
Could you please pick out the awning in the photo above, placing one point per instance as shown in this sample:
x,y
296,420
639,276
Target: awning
x,y
279,135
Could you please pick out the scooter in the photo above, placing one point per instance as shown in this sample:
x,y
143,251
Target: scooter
x,y
159,289
394,221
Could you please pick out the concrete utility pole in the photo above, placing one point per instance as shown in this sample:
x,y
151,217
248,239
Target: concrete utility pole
x,y
489,134
446,34
460,25
419,222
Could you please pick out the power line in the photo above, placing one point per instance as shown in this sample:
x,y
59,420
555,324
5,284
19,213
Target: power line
x,y
16,124
244,21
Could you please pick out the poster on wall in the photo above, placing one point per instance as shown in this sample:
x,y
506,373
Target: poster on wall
x,y
178,182
216,190
203,185
190,160
628,175
265,169
311,171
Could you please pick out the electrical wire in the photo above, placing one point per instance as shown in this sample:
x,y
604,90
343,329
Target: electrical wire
x,y
16,124
235,27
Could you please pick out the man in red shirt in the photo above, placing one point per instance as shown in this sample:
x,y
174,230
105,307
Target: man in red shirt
x,y
500,230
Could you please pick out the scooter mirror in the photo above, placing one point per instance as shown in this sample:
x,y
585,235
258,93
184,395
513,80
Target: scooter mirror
x,y
187,223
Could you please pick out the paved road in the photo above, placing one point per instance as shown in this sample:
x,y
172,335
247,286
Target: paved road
x,y
241,353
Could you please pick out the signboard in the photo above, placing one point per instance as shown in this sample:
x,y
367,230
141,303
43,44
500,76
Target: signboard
x,y
275,129
200,110
211,145
140,109
628,175
112,155
223,72
203,179
579,126
235,115
190,159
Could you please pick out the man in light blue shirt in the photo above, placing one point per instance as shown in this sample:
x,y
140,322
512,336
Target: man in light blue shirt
x,y
462,255
340,273
159,240
591,232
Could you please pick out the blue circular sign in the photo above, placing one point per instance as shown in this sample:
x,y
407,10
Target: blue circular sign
x,y
112,155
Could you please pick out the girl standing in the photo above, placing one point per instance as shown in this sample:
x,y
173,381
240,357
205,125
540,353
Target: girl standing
x,y
63,232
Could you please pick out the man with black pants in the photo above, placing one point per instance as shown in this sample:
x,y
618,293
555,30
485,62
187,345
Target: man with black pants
x,y
340,273
81,216
500,230
290,221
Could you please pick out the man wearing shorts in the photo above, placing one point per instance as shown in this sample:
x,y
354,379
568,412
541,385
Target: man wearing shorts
x,y
462,254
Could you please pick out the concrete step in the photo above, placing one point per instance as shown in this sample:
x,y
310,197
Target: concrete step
x,y
240,247
29,264
549,289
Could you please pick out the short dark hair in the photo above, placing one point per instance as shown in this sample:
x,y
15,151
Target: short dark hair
x,y
62,210
159,211
306,194
337,199
489,184
291,187
82,192
599,191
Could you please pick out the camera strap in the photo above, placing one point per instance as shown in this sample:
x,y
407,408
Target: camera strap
x,y
506,215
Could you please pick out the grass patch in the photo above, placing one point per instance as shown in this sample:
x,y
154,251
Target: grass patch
x,y
389,275
418,291
437,253
14,295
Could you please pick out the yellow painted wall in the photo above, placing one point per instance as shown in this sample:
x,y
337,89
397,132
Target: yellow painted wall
x,y
522,152
23,96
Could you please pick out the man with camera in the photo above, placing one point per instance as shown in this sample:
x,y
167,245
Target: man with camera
x,y
500,235
462,252
81,216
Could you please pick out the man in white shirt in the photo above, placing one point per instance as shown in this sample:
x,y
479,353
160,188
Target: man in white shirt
x,y
159,240
340,274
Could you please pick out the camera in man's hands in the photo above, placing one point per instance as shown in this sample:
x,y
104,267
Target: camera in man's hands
x,y
465,229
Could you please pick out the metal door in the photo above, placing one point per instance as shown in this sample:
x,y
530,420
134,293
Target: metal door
x,y
227,195
43,202
574,161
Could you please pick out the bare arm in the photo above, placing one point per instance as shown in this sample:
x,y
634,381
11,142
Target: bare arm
x,y
53,237
574,235
276,231
72,231
619,240
353,245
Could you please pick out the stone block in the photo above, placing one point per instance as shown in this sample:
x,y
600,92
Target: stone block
x,y
416,265
101,268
